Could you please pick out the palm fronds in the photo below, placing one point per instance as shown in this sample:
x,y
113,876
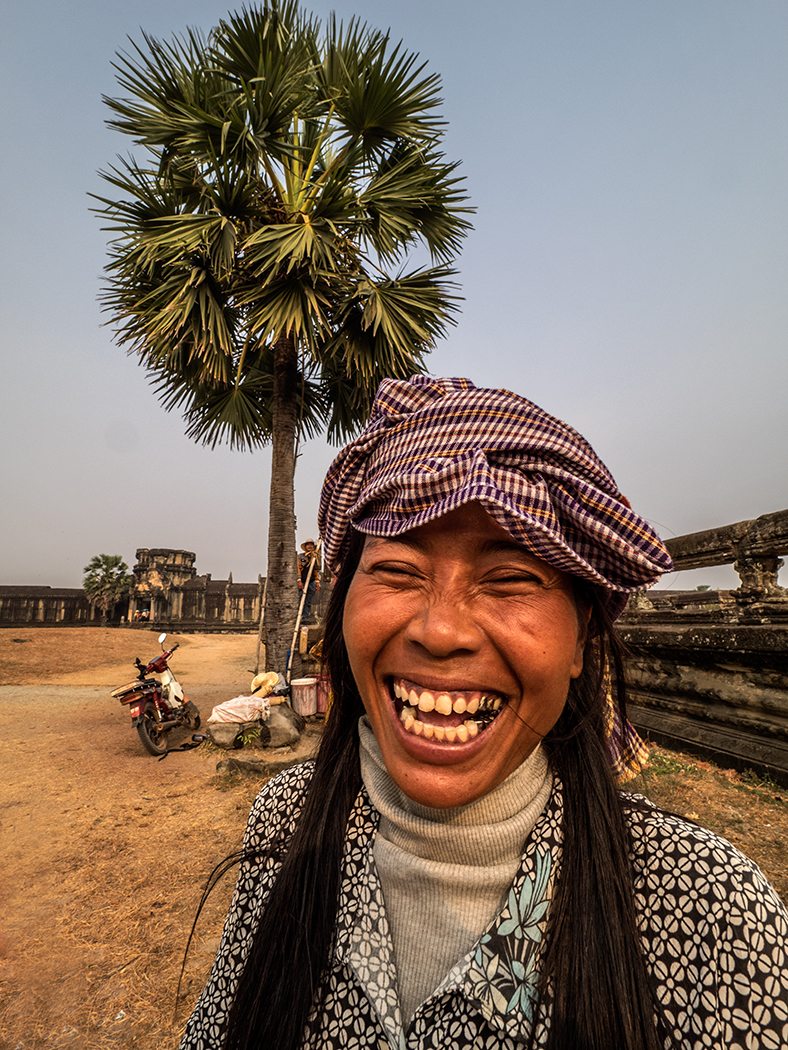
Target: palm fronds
x,y
284,170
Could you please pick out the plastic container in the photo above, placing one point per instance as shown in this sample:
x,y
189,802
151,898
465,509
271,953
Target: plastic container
x,y
303,695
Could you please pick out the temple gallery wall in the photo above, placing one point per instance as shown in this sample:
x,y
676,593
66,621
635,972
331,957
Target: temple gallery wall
x,y
166,591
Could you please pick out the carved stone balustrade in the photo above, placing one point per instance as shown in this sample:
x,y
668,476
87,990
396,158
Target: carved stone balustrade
x,y
752,547
709,669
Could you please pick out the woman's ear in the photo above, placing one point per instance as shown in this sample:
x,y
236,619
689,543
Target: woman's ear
x,y
584,611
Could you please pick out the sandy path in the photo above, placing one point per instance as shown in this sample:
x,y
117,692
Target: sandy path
x,y
104,849
105,656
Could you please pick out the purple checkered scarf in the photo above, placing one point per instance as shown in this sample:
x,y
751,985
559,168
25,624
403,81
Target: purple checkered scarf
x,y
432,445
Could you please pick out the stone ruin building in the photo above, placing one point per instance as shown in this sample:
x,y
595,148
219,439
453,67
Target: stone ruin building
x,y
46,606
708,670
166,592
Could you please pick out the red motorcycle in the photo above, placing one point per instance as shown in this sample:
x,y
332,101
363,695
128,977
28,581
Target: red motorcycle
x,y
157,706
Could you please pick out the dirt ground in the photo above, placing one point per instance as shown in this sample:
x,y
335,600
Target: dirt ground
x,y
104,850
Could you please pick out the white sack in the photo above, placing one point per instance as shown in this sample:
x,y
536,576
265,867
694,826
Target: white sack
x,y
242,709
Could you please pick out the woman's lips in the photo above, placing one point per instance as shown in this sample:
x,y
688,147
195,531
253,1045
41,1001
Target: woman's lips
x,y
442,716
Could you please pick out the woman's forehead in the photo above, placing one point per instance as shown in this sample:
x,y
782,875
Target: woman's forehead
x,y
469,519
469,526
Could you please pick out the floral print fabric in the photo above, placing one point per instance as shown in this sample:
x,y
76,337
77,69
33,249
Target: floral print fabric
x,y
503,968
715,939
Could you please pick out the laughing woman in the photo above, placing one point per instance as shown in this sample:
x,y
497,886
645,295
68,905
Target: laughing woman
x,y
459,868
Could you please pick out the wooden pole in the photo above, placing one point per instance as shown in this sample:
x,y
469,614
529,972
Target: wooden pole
x,y
260,631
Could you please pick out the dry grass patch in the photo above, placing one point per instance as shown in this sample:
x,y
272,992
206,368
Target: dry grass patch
x,y
750,812
102,969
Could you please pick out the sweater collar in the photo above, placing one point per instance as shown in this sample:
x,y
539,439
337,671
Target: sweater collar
x,y
490,830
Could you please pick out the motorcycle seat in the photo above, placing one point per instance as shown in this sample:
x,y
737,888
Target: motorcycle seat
x,y
133,687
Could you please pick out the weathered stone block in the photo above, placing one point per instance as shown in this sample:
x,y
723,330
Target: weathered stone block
x,y
285,726
261,766
225,734
233,735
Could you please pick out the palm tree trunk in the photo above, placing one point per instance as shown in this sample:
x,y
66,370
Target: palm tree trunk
x,y
282,587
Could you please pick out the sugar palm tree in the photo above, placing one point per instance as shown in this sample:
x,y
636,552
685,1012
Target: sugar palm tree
x,y
258,261
106,582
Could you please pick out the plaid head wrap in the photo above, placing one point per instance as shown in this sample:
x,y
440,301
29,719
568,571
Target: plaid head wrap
x,y
433,445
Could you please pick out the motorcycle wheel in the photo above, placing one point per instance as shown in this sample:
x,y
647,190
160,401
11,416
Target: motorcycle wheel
x,y
153,740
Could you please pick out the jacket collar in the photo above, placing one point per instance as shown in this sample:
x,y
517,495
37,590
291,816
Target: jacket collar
x,y
500,973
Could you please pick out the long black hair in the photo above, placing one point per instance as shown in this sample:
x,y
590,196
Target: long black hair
x,y
592,968
593,964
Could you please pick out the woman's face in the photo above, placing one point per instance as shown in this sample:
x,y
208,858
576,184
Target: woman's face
x,y
463,646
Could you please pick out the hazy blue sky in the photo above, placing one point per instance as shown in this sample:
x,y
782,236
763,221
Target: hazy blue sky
x,y
628,270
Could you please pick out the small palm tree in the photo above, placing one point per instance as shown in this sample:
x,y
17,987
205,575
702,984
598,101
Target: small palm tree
x,y
259,255
106,582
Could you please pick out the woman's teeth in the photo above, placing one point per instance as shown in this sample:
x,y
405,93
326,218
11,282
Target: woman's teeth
x,y
425,702
467,730
463,703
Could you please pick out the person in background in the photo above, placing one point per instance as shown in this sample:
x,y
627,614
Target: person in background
x,y
312,583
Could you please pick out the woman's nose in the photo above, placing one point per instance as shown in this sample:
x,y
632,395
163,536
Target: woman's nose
x,y
444,626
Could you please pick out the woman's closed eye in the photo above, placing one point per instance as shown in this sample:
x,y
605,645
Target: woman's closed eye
x,y
515,582
395,570
513,576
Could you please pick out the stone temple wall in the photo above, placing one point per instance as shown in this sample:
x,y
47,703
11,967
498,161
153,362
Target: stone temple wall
x,y
46,607
166,592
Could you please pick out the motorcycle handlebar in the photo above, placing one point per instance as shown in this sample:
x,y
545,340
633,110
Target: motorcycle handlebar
x,y
141,667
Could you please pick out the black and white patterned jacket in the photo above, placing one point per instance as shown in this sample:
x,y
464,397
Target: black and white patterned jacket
x,y
715,936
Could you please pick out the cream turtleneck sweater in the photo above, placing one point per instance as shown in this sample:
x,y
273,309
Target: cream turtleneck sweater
x,y
444,872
